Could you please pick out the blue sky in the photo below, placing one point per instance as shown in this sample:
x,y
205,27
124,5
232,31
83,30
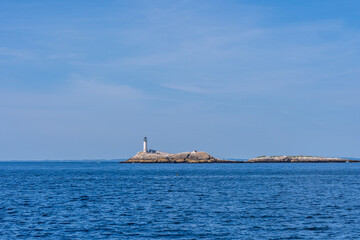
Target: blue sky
x,y
88,79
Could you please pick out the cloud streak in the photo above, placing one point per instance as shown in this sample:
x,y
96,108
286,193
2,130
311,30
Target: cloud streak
x,y
8,53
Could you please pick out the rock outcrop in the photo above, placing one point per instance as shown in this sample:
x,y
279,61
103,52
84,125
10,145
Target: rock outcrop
x,y
203,157
185,157
291,159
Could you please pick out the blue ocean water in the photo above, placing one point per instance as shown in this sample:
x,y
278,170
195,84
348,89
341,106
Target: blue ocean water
x,y
64,200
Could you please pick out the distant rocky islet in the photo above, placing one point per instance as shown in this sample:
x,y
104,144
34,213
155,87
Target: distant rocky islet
x,y
153,156
296,159
203,157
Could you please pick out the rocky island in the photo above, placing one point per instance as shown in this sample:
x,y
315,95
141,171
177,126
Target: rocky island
x,y
154,156
296,159
184,157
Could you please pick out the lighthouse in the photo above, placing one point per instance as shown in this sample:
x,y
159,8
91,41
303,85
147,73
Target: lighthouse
x,y
145,145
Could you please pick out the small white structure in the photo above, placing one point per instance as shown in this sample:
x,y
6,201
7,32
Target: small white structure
x,y
145,145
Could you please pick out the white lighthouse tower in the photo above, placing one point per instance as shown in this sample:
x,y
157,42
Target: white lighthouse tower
x,y
145,145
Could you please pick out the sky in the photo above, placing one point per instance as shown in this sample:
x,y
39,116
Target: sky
x,y
238,79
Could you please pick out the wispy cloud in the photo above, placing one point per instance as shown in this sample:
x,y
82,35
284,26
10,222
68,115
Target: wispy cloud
x,y
64,55
105,90
78,93
16,53
189,88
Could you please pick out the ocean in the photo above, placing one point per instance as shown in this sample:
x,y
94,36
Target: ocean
x,y
107,200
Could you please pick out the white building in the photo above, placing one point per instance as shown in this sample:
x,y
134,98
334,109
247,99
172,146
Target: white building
x,y
145,149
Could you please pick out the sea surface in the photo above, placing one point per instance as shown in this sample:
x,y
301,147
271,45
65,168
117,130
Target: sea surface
x,y
102,200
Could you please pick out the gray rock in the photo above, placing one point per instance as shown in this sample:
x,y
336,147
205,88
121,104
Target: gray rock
x,y
279,159
184,157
